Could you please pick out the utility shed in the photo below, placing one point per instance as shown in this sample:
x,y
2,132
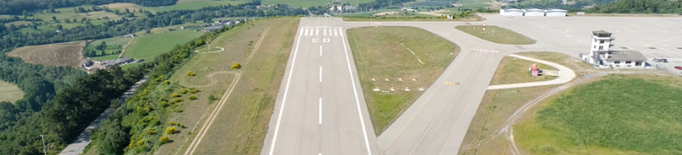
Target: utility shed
x,y
625,59
511,12
534,12
555,13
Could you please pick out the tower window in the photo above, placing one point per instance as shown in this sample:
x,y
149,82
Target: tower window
x,y
601,41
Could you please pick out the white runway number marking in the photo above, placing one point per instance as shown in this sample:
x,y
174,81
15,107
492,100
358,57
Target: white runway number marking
x,y
316,40
326,40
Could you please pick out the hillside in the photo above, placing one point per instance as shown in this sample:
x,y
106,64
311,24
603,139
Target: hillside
x,y
640,6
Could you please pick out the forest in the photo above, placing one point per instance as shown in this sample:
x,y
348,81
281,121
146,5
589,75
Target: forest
x,y
639,6
17,7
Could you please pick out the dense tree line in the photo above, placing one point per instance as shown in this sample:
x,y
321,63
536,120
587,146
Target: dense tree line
x,y
17,7
639,6
124,26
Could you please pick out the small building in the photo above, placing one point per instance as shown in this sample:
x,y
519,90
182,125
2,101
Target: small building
x,y
556,13
534,12
602,56
511,12
87,63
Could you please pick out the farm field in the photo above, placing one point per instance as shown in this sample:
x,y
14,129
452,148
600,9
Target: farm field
x,y
240,126
181,5
498,105
39,29
371,48
113,46
620,114
149,46
61,54
496,34
10,92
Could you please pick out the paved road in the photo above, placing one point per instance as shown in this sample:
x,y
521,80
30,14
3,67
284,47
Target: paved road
x,y
565,75
439,119
320,108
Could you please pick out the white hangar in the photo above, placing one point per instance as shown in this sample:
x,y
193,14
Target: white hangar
x,y
533,12
511,12
555,13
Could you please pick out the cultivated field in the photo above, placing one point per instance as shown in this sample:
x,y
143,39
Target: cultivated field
x,y
620,114
240,125
113,45
397,53
61,54
309,3
496,34
96,18
497,106
181,5
10,92
149,46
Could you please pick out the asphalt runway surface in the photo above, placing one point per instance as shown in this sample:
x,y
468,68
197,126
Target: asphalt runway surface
x,y
320,108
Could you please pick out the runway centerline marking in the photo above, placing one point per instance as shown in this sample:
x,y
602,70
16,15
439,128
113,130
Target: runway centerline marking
x,y
355,93
320,73
284,100
320,50
320,105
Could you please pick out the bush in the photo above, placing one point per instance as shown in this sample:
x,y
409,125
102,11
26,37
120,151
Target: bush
x,y
192,97
171,130
175,95
177,100
164,140
236,66
166,82
211,98
164,103
190,74
172,123
183,91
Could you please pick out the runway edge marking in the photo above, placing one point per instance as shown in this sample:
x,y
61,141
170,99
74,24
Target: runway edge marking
x,y
284,100
355,93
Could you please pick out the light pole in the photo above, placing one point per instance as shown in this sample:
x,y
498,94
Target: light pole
x,y
43,138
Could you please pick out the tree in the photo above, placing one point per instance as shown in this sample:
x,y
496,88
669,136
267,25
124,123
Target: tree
x,y
102,53
54,18
102,46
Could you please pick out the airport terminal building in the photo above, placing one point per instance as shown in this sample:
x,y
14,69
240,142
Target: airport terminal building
x,y
601,56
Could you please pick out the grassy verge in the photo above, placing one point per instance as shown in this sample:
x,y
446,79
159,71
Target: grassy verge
x,y
241,125
515,70
10,92
149,46
621,114
498,105
379,53
496,34
60,54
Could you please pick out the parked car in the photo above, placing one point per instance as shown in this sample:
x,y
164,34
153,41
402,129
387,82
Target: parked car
x,y
678,67
661,60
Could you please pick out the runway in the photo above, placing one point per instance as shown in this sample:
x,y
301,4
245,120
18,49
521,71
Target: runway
x,y
320,108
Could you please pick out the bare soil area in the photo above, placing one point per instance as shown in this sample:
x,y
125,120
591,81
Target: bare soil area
x,y
62,54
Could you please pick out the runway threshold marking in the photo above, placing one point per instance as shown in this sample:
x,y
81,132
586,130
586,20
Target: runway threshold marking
x,y
284,100
355,93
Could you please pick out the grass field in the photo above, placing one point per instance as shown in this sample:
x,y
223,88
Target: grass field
x,y
61,54
515,70
10,92
621,114
149,46
40,29
113,45
496,34
240,126
17,23
379,53
181,5
96,18
498,105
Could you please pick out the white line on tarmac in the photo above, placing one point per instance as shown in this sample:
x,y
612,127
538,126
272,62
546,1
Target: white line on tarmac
x,y
320,73
325,32
320,105
357,101
284,100
320,50
317,32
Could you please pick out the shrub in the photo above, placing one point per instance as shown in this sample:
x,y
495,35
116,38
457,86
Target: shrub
x,y
164,140
236,66
176,100
183,91
141,142
172,123
190,73
192,97
211,98
175,95
171,130
166,82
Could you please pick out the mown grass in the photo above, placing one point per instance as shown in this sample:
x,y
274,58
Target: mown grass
x,y
113,45
10,92
515,70
622,113
378,54
149,46
498,105
496,34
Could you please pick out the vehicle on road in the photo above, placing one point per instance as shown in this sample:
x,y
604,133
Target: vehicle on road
x,y
678,67
661,60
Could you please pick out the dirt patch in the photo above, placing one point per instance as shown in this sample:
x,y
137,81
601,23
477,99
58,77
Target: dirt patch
x,y
62,54
385,13
434,13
